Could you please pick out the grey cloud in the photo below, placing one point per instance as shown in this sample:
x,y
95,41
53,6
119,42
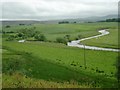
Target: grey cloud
x,y
14,8
57,9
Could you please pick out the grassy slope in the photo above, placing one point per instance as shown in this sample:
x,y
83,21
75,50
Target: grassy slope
x,y
54,53
0,68
53,62
21,81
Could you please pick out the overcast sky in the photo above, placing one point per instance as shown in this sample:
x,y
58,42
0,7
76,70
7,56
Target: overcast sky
x,y
56,9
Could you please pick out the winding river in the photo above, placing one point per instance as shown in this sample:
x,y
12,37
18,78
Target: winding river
x,y
77,43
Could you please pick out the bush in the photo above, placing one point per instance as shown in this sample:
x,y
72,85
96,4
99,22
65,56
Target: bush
x,y
79,36
20,35
28,32
63,22
76,38
61,40
10,38
40,37
7,26
67,37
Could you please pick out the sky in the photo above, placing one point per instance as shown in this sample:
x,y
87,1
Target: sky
x,y
56,9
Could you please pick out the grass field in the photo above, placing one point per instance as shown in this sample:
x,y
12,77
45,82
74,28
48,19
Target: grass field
x,y
109,41
52,31
52,62
49,64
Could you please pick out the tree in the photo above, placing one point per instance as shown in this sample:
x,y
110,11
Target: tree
x,y
63,22
79,36
74,22
20,34
28,32
61,40
111,20
10,38
67,37
40,37
7,26
21,24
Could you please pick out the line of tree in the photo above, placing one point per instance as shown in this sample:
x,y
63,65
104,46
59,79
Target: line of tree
x,y
27,33
7,26
63,22
66,22
21,24
111,20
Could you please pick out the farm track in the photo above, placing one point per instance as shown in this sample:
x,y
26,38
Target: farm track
x,y
77,43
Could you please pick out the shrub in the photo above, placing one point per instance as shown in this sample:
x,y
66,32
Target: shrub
x,y
21,24
12,66
40,37
79,36
10,38
20,34
61,40
67,37
76,38
63,22
7,26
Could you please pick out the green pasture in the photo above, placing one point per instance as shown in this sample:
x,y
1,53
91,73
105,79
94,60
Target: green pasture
x,y
52,31
48,62
109,41
57,62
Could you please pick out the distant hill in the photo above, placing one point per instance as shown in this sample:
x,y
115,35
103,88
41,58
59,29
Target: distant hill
x,y
101,18
80,20
17,22
92,19
77,20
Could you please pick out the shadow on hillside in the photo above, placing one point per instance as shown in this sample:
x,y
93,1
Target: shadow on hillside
x,y
118,70
43,69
